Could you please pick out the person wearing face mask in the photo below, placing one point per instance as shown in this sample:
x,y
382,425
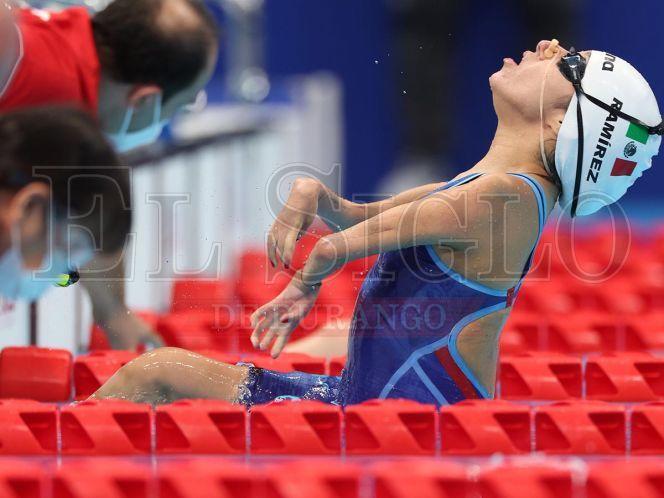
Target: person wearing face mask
x,y
574,128
51,219
133,65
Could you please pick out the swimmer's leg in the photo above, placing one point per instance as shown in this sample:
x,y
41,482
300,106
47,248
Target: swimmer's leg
x,y
168,374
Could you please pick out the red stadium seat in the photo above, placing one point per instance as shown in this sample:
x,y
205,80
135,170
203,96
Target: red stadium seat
x,y
319,479
538,333
528,480
626,479
211,478
625,377
646,331
287,362
511,342
98,339
295,427
476,427
27,428
580,427
391,427
35,373
627,296
107,427
337,297
94,369
201,426
421,478
639,333
200,330
573,336
202,295
254,262
103,478
22,479
336,365
540,376
648,429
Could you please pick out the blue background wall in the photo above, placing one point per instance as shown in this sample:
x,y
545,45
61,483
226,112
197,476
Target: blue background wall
x,y
347,36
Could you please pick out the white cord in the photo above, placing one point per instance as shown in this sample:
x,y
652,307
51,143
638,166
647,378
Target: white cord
x,y
541,109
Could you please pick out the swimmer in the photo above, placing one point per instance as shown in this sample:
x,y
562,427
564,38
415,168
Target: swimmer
x,y
452,256
133,65
42,225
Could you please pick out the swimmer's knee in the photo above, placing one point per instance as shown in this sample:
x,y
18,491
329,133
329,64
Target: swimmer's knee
x,y
148,370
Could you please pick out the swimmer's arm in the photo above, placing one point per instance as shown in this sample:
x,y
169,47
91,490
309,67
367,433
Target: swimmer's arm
x,y
440,218
310,198
339,213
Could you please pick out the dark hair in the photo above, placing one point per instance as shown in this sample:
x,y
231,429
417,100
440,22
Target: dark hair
x,y
137,46
63,147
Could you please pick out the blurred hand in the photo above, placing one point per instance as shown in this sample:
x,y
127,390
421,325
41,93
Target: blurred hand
x,y
127,331
274,322
293,220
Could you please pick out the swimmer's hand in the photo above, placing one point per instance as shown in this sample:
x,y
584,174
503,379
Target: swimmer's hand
x,y
274,322
293,220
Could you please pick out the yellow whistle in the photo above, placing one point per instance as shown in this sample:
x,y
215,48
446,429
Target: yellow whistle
x,y
552,49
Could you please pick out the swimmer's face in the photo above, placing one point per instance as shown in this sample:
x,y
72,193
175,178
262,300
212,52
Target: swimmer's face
x,y
517,86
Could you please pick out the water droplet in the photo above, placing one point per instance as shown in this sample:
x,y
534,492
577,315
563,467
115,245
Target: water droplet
x,y
404,92
375,61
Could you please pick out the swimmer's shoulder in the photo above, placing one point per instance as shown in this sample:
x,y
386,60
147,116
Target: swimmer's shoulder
x,y
494,191
515,184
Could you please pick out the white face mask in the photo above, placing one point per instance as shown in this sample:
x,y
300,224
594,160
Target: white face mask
x,y
17,282
125,140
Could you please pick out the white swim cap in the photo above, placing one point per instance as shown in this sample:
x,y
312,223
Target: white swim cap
x,y
619,126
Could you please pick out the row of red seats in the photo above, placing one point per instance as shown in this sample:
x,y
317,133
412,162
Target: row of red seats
x,y
621,377
582,332
388,427
420,478
46,375
616,296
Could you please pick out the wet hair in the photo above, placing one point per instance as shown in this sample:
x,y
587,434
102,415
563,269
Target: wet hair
x,y
63,147
137,45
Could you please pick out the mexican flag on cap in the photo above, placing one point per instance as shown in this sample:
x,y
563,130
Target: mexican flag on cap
x,y
625,167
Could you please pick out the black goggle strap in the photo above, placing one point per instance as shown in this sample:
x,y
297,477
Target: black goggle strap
x,y
573,67
579,152
652,130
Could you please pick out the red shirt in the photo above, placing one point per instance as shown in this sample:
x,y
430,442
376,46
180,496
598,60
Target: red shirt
x,y
58,62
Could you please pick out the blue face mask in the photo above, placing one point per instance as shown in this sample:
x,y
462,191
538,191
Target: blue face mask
x,y
19,283
125,140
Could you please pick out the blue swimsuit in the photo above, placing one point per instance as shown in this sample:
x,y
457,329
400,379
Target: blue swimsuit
x,y
402,341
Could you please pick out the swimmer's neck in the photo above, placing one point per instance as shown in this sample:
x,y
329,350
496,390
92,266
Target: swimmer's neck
x,y
510,152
